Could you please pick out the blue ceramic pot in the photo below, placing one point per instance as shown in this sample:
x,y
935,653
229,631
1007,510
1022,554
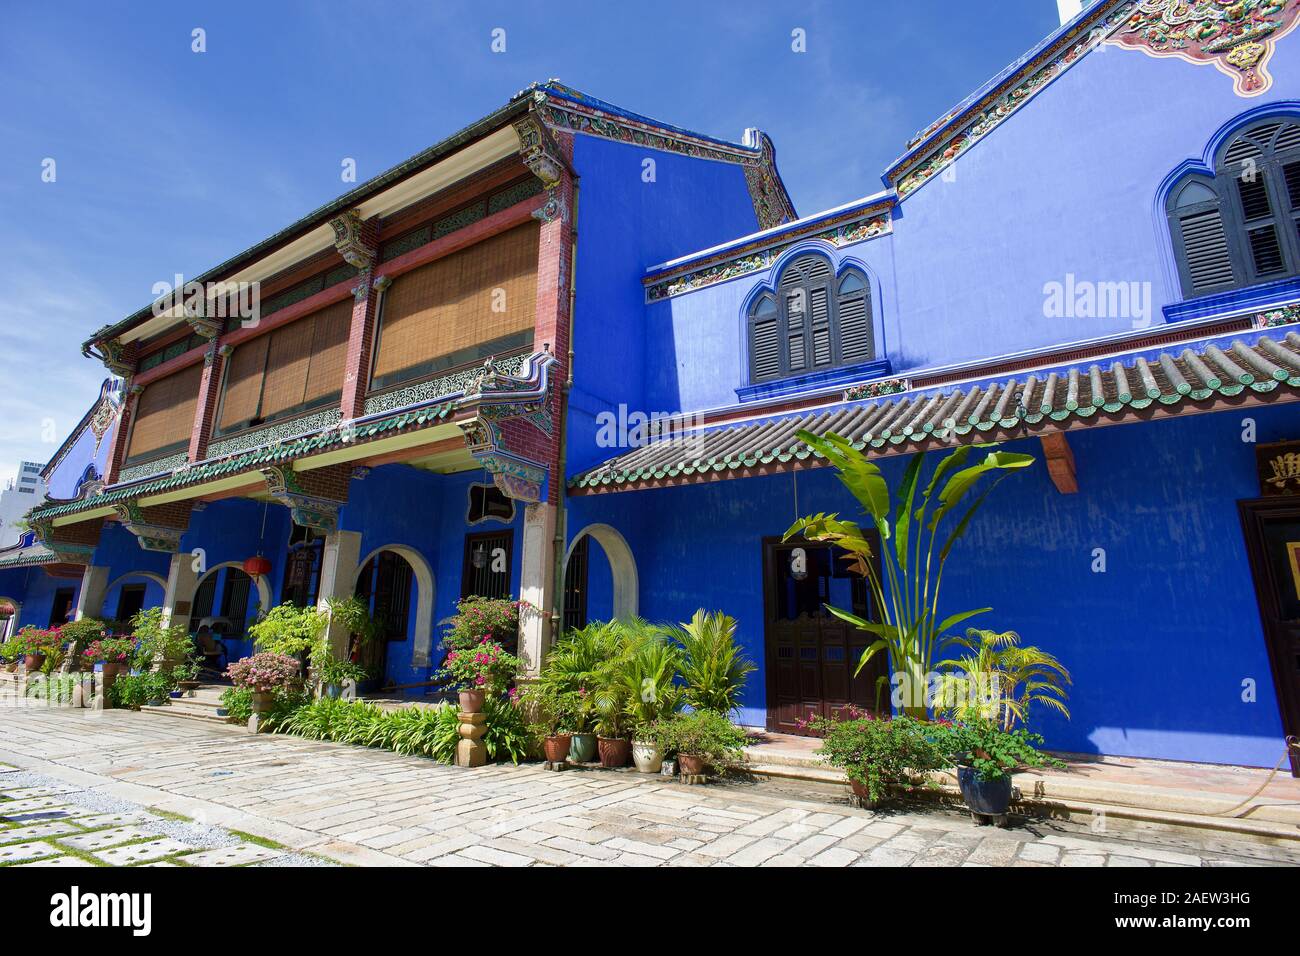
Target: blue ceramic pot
x,y
990,797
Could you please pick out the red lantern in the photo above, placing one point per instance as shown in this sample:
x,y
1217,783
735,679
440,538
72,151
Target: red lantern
x,y
257,566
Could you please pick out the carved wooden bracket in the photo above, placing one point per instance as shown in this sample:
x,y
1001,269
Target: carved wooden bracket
x,y
1060,463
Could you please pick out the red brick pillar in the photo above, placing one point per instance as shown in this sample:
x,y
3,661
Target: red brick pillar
x,y
365,308
205,410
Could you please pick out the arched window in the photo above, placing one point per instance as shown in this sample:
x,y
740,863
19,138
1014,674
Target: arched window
x,y
816,320
1242,226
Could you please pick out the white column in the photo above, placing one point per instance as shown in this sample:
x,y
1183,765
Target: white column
x,y
178,596
94,588
537,585
338,575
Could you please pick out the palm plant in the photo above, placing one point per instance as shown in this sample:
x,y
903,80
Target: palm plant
x,y
648,674
998,679
712,664
575,664
910,627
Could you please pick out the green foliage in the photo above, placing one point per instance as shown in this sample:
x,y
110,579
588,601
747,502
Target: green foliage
x,y
915,546
647,671
993,752
58,687
354,614
703,733
879,753
292,631
134,690
156,641
238,702
713,665
484,666
80,634
574,664
998,679
333,671
412,731
12,650
549,711
496,619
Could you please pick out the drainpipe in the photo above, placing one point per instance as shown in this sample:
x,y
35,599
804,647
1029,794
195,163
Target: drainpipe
x,y
562,510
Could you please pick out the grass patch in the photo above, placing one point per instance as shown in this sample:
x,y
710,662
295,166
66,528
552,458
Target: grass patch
x,y
169,815
260,841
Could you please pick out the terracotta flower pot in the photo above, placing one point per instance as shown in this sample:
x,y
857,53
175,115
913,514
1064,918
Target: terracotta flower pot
x,y
647,756
863,796
263,701
471,701
33,662
557,747
613,751
691,764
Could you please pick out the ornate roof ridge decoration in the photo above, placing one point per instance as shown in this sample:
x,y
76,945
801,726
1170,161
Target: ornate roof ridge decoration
x,y
883,386
28,556
1035,404
151,535
1238,39
938,146
857,226
99,418
572,112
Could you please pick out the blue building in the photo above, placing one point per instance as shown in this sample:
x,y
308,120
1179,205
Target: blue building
x,y
583,340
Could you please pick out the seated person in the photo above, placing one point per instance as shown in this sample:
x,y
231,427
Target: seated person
x,y
213,651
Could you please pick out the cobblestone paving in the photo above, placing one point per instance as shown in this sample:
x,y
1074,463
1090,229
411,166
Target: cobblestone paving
x,y
366,806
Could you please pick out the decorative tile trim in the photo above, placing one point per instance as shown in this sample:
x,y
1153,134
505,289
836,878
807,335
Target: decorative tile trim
x,y
156,467
772,205
1275,317
887,386
845,234
256,438
1000,104
434,388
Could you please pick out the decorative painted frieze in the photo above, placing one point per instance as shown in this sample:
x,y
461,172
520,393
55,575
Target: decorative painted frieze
x,y
1236,37
156,467
308,511
151,536
887,386
845,234
1275,317
772,204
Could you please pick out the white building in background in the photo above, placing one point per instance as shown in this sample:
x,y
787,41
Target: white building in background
x,y
20,496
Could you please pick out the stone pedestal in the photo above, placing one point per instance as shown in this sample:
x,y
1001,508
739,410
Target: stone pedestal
x,y
470,750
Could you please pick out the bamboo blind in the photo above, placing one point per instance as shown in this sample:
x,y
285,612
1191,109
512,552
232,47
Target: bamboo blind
x,y
164,412
295,365
447,305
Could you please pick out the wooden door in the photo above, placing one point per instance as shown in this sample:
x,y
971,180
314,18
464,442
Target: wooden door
x,y
812,655
1272,530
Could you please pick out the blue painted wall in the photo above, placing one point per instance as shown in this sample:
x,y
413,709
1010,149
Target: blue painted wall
x,y
1159,645
65,478
962,276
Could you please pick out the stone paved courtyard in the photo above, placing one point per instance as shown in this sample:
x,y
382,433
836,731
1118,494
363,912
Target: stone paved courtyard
x,y
369,807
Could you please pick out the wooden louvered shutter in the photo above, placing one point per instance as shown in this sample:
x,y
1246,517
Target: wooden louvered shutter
x,y
819,307
439,312
853,310
764,340
287,360
329,351
796,317
164,414
243,391
1205,250
1262,237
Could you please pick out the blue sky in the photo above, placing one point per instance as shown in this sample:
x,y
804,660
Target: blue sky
x,y
171,161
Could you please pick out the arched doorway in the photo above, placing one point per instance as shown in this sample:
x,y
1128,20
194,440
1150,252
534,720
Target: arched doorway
x,y
397,586
129,593
9,611
227,599
600,577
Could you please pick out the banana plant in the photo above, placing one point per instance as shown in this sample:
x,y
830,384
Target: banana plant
x,y
916,541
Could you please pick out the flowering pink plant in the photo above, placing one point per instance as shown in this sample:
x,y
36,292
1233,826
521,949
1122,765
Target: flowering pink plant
x,y
265,672
486,666
110,650
478,618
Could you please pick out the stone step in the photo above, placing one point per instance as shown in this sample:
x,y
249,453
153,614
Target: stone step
x,y
185,713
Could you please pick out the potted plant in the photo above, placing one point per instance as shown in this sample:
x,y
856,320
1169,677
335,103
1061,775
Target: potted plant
x,y
186,674
986,755
79,634
649,675
157,686
296,632
264,674
486,668
112,654
11,652
550,713
37,645
877,754
157,644
333,674
701,739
